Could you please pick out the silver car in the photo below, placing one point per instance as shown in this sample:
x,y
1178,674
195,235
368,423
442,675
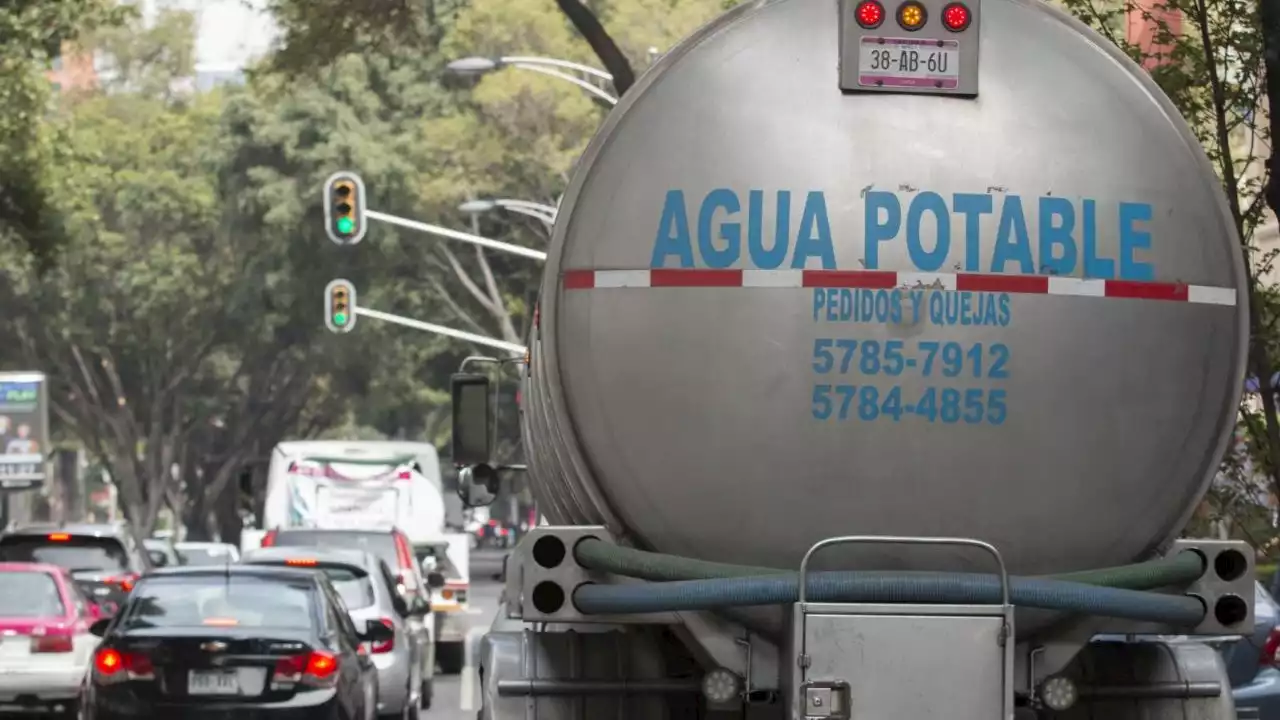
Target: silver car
x,y
406,663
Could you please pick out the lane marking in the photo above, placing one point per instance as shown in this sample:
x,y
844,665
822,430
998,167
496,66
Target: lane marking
x,y
886,280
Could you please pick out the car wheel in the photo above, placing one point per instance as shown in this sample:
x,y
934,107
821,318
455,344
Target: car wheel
x,y
450,658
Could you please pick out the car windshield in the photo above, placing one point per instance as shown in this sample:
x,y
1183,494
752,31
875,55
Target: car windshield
x,y
354,586
216,600
381,544
29,594
205,556
75,553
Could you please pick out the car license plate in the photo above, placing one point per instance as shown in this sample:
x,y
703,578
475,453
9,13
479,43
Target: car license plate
x,y
213,682
909,62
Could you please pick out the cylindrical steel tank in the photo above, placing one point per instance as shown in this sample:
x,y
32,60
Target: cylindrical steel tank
x,y
776,312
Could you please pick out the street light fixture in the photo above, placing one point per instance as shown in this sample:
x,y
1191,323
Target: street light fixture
x,y
546,66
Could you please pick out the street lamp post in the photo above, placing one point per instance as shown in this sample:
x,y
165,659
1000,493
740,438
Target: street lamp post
x,y
551,67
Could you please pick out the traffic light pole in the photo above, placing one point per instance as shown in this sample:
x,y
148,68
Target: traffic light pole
x,y
455,235
441,330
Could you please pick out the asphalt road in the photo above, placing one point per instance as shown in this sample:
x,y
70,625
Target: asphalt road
x,y
456,696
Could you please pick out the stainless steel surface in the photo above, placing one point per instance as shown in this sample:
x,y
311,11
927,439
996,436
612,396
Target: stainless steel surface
x,y
853,76
523,688
892,540
680,418
944,667
1153,691
1155,665
848,653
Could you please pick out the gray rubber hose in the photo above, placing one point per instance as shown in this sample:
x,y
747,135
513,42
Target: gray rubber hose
x,y
887,587
1177,571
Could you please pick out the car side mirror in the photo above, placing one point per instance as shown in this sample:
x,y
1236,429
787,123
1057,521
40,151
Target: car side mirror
x,y
93,610
472,419
376,632
99,627
478,485
435,580
158,558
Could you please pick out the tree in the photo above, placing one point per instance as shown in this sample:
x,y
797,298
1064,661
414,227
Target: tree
x,y
34,32
316,31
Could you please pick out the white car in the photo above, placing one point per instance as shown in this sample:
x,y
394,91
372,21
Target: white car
x,y
45,643
207,553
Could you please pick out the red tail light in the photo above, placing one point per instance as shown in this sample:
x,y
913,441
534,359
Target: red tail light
x,y
404,475
388,646
314,669
112,666
404,558
51,640
124,581
1271,650
269,539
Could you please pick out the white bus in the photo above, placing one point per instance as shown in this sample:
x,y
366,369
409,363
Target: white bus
x,y
355,484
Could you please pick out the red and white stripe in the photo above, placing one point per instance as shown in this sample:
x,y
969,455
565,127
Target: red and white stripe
x,y
887,279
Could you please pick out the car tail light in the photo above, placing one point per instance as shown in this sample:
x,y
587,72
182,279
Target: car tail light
x,y
59,537
125,582
1271,650
389,645
313,669
404,558
301,562
404,475
51,640
112,666
269,539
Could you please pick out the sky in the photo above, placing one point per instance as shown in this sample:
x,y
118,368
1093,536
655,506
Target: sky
x,y
231,33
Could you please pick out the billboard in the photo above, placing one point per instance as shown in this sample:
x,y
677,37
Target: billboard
x,y
24,430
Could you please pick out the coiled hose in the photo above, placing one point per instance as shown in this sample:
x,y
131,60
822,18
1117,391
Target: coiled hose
x,y
690,584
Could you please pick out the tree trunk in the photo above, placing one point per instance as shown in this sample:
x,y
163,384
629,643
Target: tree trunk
x,y
196,517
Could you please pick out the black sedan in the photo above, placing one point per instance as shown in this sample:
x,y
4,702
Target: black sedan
x,y
249,642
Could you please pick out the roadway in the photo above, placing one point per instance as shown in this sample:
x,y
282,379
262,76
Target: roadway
x,y
456,696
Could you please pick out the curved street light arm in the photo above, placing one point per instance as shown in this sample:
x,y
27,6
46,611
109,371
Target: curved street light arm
x,y
549,220
569,78
528,205
445,232
553,62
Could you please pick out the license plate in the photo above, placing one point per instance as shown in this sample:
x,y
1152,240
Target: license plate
x,y
909,62
213,682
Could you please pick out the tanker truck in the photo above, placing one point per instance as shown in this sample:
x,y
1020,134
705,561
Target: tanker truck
x,y
884,350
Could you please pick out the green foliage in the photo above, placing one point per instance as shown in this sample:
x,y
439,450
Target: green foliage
x,y
32,32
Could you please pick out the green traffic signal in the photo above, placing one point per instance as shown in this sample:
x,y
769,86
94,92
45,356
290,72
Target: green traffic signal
x,y
340,318
346,225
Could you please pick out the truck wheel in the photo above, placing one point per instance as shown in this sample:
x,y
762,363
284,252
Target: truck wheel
x,y
450,657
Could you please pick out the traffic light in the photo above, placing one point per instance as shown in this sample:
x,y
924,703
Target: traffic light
x,y
344,208
340,306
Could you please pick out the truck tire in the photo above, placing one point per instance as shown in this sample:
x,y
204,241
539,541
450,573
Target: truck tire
x,y
450,657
